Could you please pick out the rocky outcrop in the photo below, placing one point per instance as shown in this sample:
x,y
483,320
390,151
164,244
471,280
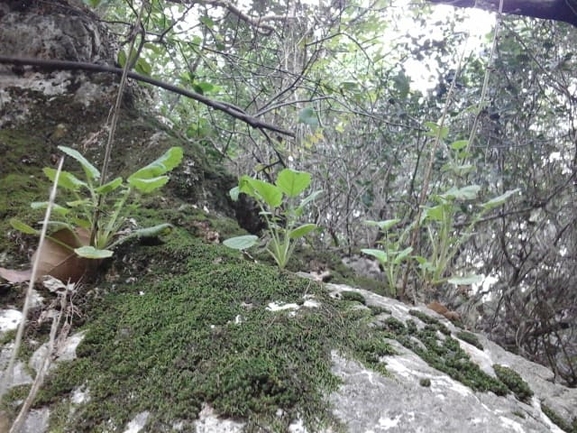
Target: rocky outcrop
x,y
412,392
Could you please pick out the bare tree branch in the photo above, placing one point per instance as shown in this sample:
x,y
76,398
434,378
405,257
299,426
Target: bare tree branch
x,y
227,108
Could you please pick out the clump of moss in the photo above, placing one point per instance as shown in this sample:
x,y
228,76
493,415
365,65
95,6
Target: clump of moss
x,y
423,317
470,338
352,296
200,332
371,348
395,326
558,420
425,382
445,354
431,322
379,310
514,382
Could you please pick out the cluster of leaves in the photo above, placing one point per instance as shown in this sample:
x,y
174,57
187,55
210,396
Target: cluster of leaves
x,y
439,219
102,209
281,211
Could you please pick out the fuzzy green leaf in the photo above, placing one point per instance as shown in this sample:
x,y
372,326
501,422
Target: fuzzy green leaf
x,y
459,144
56,208
109,186
241,242
167,162
89,252
383,225
261,190
402,255
311,197
293,182
498,201
23,227
66,180
301,231
466,193
380,255
234,193
91,172
148,185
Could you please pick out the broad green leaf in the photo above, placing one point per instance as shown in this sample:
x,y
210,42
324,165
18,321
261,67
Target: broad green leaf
x,y
89,252
311,197
56,208
151,232
91,172
80,203
466,280
109,186
168,161
147,185
85,224
293,182
301,231
241,242
121,58
308,116
466,193
23,227
234,192
459,144
402,255
435,213
66,180
380,255
261,190
143,67
457,169
383,225
498,201
435,130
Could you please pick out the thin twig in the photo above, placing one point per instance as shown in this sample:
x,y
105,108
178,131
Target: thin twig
x,y
18,342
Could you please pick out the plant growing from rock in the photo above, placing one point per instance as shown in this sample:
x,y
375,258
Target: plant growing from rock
x,y
440,219
91,225
280,207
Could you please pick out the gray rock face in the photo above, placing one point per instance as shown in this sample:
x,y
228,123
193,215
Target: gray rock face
x,y
415,397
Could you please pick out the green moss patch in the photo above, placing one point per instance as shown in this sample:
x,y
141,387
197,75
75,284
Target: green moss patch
x,y
514,382
559,421
435,346
470,338
352,296
205,335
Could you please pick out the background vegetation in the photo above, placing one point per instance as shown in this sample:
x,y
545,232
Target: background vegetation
x,y
350,87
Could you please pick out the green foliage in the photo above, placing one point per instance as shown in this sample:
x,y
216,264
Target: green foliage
x,y
558,419
470,338
103,209
195,335
352,296
514,382
440,220
281,210
393,255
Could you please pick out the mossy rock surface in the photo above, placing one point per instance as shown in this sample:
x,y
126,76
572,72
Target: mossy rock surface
x,y
196,328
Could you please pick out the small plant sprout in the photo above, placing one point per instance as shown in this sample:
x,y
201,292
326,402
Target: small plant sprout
x,y
393,255
97,213
280,208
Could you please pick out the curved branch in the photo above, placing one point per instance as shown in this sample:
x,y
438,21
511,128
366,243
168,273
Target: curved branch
x,y
230,109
